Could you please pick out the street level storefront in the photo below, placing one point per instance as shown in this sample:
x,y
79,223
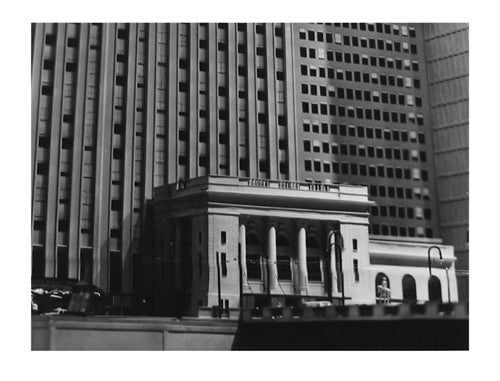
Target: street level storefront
x,y
249,243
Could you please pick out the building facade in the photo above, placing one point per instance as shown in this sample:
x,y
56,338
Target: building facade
x,y
250,243
121,109
447,55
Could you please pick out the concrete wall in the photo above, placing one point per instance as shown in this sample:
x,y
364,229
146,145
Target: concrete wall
x,y
105,333
230,289
359,291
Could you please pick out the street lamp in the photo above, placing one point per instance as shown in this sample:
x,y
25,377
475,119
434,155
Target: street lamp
x,y
441,260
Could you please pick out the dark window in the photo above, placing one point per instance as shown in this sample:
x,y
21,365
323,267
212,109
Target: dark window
x,y
70,67
203,161
121,58
356,270
50,39
223,138
314,269
63,226
244,164
263,165
47,90
283,168
223,264
434,289
117,153
62,263
67,143
222,115
48,64
183,87
253,267
284,269
120,80
116,205
354,244
86,265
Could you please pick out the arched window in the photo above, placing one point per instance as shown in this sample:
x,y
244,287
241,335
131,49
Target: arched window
x,y
282,240
312,242
434,289
253,239
409,289
382,284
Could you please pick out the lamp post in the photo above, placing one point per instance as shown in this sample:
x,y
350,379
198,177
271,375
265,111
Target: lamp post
x,y
442,263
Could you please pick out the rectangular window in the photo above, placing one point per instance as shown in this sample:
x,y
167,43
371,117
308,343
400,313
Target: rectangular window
x,y
355,245
356,270
253,267
223,237
314,269
86,265
223,263
284,269
62,263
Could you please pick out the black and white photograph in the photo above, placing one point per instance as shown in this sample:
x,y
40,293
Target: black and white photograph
x,y
252,184
250,180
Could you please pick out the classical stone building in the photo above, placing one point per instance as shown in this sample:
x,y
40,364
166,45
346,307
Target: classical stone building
x,y
243,242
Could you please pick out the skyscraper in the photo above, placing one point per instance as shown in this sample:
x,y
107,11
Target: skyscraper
x,y
120,109
447,56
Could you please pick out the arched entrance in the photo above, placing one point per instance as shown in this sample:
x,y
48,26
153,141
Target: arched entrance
x,y
409,289
435,289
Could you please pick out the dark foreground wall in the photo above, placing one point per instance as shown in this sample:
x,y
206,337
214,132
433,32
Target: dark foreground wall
x,y
403,327
355,335
430,326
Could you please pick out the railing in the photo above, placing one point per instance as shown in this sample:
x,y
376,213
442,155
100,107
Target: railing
x,y
377,311
289,184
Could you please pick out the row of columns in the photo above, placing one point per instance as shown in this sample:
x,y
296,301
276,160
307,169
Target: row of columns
x,y
301,256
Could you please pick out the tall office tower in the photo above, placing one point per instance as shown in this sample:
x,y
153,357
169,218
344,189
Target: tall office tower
x,y
120,109
363,118
447,54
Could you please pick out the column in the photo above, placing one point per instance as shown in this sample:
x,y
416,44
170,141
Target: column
x,y
271,260
333,269
243,257
302,257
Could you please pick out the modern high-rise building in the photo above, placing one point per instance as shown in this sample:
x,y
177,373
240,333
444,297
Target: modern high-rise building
x,y
121,109
447,56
